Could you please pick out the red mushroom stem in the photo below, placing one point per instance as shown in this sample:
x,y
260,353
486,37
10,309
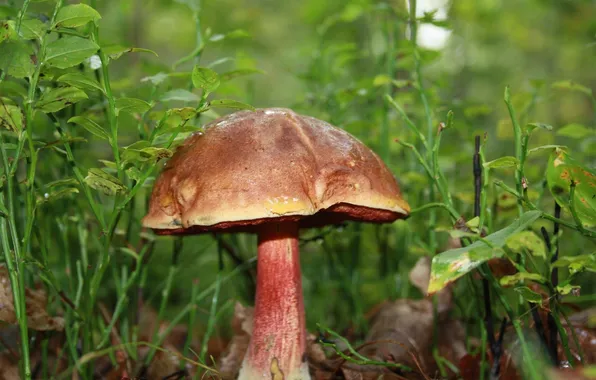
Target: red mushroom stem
x,y
277,348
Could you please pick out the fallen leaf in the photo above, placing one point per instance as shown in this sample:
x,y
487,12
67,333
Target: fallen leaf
x,y
231,360
35,302
420,274
10,367
165,364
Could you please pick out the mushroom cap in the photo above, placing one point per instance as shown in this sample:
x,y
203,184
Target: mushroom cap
x,y
270,165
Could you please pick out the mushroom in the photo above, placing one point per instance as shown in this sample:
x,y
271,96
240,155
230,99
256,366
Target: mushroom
x,y
271,172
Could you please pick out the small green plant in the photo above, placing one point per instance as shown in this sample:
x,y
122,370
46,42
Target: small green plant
x,y
58,98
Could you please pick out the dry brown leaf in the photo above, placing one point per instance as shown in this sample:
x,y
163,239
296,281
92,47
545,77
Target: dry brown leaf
x,y
402,331
35,302
351,374
231,360
164,364
420,277
420,274
401,328
9,368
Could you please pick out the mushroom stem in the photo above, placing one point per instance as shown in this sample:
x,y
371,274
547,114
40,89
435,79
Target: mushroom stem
x,y
277,348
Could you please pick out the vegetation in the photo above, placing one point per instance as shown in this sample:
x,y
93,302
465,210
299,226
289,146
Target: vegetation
x,y
491,137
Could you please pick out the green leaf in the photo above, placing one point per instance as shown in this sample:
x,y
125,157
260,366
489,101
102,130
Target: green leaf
x,y
72,16
7,30
576,131
91,126
104,182
578,263
69,51
567,288
531,126
185,113
473,223
569,85
520,277
562,169
15,58
458,234
134,174
528,294
33,29
109,164
81,81
205,79
502,162
228,103
526,241
545,147
116,51
180,95
139,152
59,98
132,105
11,118
69,181
451,265
55,195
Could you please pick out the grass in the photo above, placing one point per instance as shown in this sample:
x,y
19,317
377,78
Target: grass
x,y
76,177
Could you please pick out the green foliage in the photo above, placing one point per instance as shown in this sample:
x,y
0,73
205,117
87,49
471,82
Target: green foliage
x,y
11,117
573,186
72,16
205,79
69,51
104,182
451,265
82,81
91,126
131,105
85,127
56,99
16,58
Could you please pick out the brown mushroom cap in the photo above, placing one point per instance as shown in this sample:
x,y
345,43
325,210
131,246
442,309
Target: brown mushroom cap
x,y
250,168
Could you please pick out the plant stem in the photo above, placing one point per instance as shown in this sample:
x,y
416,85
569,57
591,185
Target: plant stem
x,y
488,314
14,263
519,153
432,219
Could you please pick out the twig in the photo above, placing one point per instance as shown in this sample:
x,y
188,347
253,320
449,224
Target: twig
x,y
477,176
498,351
488,314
